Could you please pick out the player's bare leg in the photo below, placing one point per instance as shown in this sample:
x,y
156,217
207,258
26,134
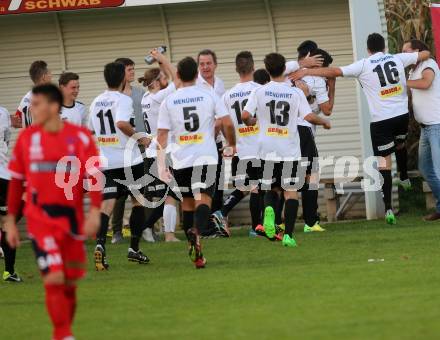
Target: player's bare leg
x,y
170,219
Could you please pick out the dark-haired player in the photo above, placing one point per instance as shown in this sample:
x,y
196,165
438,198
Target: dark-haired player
x,y
306,47
277,108
189,116
321,95
39,74
111,118
54,208
246,166
306,60
73,111
261,76
135,93
382,77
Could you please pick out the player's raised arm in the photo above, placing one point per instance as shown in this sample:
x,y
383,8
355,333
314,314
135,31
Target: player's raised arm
x,y
423,55
311,61
328,72
165,65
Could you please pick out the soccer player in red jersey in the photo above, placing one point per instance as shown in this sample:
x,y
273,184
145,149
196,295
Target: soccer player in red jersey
x,y
45,155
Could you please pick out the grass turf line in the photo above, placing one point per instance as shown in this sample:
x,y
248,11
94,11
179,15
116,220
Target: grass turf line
x,y
324,289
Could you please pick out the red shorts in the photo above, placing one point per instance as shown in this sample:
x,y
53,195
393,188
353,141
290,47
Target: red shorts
x,y
56,250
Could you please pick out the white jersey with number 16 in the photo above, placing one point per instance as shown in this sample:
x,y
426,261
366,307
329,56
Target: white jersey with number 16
x,y
382,77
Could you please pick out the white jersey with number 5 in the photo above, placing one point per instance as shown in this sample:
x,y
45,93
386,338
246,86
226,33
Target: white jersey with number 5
x,y
382,77
247,136
106,110
278,107
189,114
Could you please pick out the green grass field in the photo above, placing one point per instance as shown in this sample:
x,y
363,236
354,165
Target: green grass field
x,y
253,289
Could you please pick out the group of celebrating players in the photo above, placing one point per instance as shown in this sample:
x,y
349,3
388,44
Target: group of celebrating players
x,y
168,144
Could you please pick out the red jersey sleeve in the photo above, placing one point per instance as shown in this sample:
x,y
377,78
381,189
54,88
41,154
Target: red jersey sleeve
x,y
17,166
15,194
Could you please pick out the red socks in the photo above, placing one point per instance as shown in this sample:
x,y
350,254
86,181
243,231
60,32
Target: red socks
x,y
70,292
60,303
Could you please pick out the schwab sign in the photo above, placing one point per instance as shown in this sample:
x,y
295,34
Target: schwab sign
x,y
35,6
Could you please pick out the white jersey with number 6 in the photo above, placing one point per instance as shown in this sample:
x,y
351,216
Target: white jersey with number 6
x,y
382,77
106,110
247,136
189,114
150,109
24,111
278,108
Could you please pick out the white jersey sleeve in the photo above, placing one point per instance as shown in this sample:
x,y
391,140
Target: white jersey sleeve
x,y
252,103
220,108
160,96
291,66
124,109
219,87
320,90
408,59
164,121
353,70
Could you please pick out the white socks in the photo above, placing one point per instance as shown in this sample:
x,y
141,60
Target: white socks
x,y
169,218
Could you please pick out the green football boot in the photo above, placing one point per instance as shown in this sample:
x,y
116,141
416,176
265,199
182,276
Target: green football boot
x,y
269,222
390,218
289,241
